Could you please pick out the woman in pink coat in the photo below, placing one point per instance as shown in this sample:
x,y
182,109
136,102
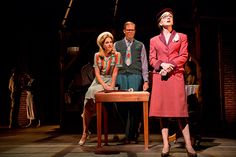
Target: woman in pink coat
x,y
168,54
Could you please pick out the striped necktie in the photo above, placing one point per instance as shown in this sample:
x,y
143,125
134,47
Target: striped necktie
x,y
128,54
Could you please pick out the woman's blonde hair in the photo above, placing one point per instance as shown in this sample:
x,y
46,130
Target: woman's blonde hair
x,y
100,41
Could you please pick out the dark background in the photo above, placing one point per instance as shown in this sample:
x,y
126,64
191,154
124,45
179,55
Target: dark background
x,y
34,39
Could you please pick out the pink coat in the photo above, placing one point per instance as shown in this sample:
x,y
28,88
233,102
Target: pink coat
x,y
168,97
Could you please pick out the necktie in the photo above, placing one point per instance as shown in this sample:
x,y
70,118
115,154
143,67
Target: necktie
x,y
128,54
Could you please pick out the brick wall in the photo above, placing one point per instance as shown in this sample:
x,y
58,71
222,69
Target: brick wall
x,y
229,83
22,119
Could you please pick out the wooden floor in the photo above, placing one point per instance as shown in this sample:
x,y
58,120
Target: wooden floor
x,y
50,141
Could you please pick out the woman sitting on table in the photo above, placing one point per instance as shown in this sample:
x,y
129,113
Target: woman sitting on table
x,y
106,64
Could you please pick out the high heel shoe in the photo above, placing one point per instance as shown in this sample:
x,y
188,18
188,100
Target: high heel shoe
x,y
166,154
191,154
83,139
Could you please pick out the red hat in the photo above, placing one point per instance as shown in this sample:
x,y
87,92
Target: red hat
x,y
162,11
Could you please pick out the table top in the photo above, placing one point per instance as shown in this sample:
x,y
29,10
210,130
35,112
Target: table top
x,y
122,96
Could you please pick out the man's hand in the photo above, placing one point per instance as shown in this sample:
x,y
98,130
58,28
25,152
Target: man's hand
x,y
145,86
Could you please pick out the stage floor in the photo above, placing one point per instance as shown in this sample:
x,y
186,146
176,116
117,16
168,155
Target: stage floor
x,y
50,141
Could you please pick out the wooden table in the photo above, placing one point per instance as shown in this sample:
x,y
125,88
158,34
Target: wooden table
x,y
121,96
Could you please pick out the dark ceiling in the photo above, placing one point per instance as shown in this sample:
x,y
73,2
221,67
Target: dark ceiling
x,y
102,13
33,26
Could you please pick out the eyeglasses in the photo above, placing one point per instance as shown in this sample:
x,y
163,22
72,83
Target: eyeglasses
x,y
130,30
166,16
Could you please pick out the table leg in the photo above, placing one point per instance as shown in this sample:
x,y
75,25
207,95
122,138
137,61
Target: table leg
x,y
99,123
145,122
105,125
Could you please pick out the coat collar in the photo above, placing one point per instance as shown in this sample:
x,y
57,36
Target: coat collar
x,y
162,37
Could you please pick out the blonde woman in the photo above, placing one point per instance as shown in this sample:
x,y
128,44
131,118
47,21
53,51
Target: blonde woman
x,y
106,64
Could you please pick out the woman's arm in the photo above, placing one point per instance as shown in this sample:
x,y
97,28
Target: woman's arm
x,y
114,75
116,69
98,77
11,83
153,60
